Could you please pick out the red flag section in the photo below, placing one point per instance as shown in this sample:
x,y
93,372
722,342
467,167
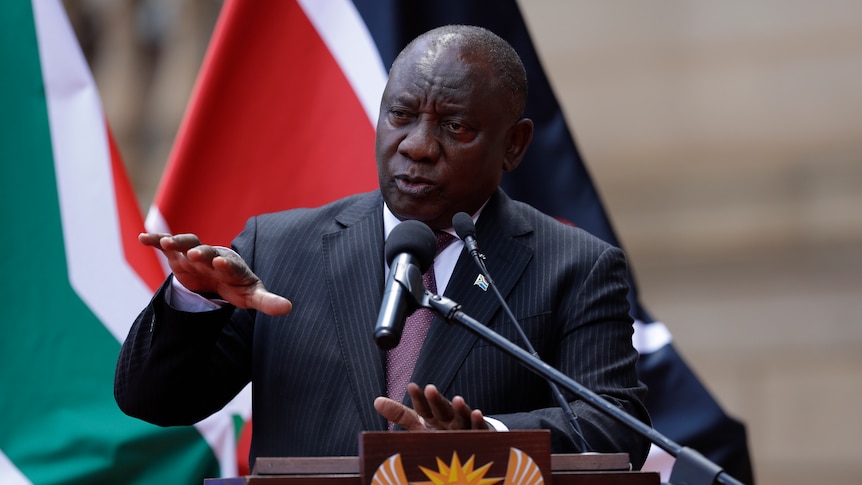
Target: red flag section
x,y
143,259
273,124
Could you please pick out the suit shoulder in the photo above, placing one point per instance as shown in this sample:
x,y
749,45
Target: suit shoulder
x,y
317,218
548,227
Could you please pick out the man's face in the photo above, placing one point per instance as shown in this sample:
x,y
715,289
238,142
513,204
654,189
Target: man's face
x,y
442,136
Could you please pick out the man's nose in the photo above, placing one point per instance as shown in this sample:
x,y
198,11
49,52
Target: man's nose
x,y
421,143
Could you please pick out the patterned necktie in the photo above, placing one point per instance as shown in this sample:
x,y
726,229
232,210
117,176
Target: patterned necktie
x,y
401,360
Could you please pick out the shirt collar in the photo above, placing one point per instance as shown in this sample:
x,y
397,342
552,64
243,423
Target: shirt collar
x,y
390,221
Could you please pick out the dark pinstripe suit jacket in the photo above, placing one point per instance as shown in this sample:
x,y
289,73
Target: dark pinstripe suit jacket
x,y
316,372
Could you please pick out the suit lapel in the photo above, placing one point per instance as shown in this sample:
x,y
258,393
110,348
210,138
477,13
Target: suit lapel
x,y
354,265
447,345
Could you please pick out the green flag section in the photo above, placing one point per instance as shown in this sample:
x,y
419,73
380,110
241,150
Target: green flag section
x,y
73,277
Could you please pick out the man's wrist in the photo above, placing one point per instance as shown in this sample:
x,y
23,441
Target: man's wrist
x,y
181,298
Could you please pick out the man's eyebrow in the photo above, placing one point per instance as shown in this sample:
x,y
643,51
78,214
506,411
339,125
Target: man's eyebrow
x,y
404,98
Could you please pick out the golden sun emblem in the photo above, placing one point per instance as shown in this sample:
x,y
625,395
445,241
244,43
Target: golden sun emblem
x,y
521,470
456,474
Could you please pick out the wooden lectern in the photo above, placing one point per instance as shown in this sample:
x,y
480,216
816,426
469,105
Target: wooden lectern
x,y
404,458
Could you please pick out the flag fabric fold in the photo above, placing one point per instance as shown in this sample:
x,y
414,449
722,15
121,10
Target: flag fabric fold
x,y
283,116
74,275
272,110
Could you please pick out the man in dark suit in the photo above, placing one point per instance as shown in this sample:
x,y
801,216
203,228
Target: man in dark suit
x,y
450,125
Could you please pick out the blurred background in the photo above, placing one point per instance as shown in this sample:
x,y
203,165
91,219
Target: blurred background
x,y
726,141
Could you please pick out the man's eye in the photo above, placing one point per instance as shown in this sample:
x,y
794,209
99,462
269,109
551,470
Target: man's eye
x,y
398,114
454,127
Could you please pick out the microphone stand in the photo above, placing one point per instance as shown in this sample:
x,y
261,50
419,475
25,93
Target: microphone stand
x,y
690,468
555,390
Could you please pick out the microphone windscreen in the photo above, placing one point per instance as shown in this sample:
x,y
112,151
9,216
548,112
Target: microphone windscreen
x,y
414,238
463,225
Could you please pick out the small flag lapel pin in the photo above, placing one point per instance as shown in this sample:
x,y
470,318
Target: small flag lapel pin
x,y
481,282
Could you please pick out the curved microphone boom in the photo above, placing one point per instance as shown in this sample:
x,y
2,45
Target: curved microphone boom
x,y
409,250
466,230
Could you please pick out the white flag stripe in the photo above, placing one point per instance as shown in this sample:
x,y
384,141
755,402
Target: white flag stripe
x,y
649,337
155,222
218,430
345,34
98,270
9,475
659,461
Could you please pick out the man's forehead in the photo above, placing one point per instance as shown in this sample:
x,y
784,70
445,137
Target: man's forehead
x,y
432,62
450,82
430,51
423,56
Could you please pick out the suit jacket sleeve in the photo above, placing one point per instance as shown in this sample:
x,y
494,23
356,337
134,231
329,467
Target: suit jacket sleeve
x,y
595,349
176,368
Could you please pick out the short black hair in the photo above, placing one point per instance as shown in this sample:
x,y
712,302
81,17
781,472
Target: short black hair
x,y
486,46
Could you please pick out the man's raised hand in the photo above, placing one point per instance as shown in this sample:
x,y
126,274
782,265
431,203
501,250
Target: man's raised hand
x,y
215,269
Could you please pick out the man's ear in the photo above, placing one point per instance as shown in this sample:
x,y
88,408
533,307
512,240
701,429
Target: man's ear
x,y
518,138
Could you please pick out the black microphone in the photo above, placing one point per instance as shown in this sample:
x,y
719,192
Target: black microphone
x,y
466,230
410,244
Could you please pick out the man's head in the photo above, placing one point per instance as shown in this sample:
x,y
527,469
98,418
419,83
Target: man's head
x,y
450,123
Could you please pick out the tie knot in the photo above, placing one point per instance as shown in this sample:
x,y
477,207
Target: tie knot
x,y
444,239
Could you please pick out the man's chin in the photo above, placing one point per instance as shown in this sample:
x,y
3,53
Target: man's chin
x,y
435,220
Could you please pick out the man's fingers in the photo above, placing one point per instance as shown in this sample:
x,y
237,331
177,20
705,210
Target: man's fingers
x,y
398,413
169,242
204,253
459,406
183,242
201,267
178,242
477,420
420,404
441,408
151,239
431,410
270,303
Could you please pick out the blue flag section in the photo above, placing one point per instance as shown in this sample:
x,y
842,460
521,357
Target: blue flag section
x,y
553,178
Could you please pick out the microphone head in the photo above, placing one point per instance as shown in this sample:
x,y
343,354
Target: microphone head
x,y
414,238
463,225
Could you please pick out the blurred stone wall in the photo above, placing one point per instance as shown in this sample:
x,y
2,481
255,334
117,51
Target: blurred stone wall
x,y
726,140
